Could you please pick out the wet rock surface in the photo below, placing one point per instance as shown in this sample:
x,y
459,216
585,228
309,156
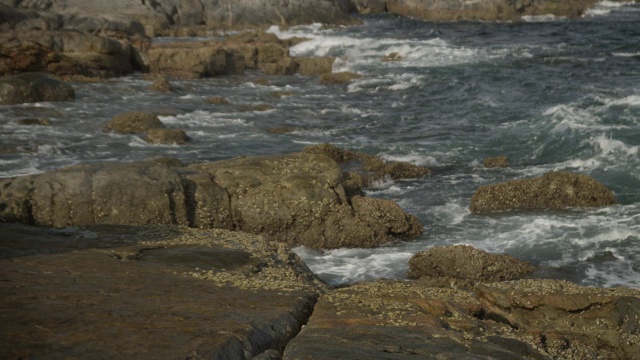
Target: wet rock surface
x,y
297,198
554,190
526,319
134,122
148,293
466,265
33,87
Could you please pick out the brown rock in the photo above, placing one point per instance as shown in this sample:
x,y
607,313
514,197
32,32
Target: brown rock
x,y
338,78
261,82
315,65
195,60
161,84
281,94
134,122
282,129
285,66
463,262
296,198
167,136
554,190
149,293
403,320
257,107
394,56
217,100
498,161
568,320
33,87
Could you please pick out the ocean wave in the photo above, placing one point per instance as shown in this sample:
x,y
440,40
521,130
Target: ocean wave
x,y
606,7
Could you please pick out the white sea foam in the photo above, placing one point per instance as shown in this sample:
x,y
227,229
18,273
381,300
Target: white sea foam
x,y
542,18
205,118
624,54
412,157
354,265
605,7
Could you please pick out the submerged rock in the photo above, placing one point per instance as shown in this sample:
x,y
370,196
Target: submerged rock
x,y
33,87
166,136
161,84
338,78
498,161
134,122
467,265
554,190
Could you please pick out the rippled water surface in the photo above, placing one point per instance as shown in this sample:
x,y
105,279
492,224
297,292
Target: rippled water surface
x,y
548,93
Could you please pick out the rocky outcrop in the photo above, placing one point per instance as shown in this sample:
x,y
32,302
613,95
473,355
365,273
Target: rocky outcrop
x,y
169,16
297,198
161,84
69,54
567,319
526,319
134,122
496,162
166,136
365,168
466,265
33,87
149,293
487,10
195,60
315,66
554,190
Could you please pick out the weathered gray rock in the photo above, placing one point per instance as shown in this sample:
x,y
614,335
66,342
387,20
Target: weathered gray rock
x,y
554,190
466,264
33,87
565,318
148,293
296,198
166,136
134,122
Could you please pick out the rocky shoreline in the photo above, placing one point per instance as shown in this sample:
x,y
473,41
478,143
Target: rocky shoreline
x,y
160,259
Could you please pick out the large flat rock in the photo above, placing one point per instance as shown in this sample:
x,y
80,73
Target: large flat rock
x,y
147,293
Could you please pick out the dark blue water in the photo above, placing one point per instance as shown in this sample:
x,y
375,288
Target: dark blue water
x,y
549,95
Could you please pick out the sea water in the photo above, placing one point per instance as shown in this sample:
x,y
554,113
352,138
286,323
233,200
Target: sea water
x,y
548,93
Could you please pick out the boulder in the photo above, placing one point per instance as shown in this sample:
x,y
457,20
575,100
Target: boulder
x,y
467,265
217,100
371,167
498,161
315,65
149,293
161,84
33,87
285,66
134,122
68,54
166,136
296,198
338,78
554,190
195,60
299,199
564,318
